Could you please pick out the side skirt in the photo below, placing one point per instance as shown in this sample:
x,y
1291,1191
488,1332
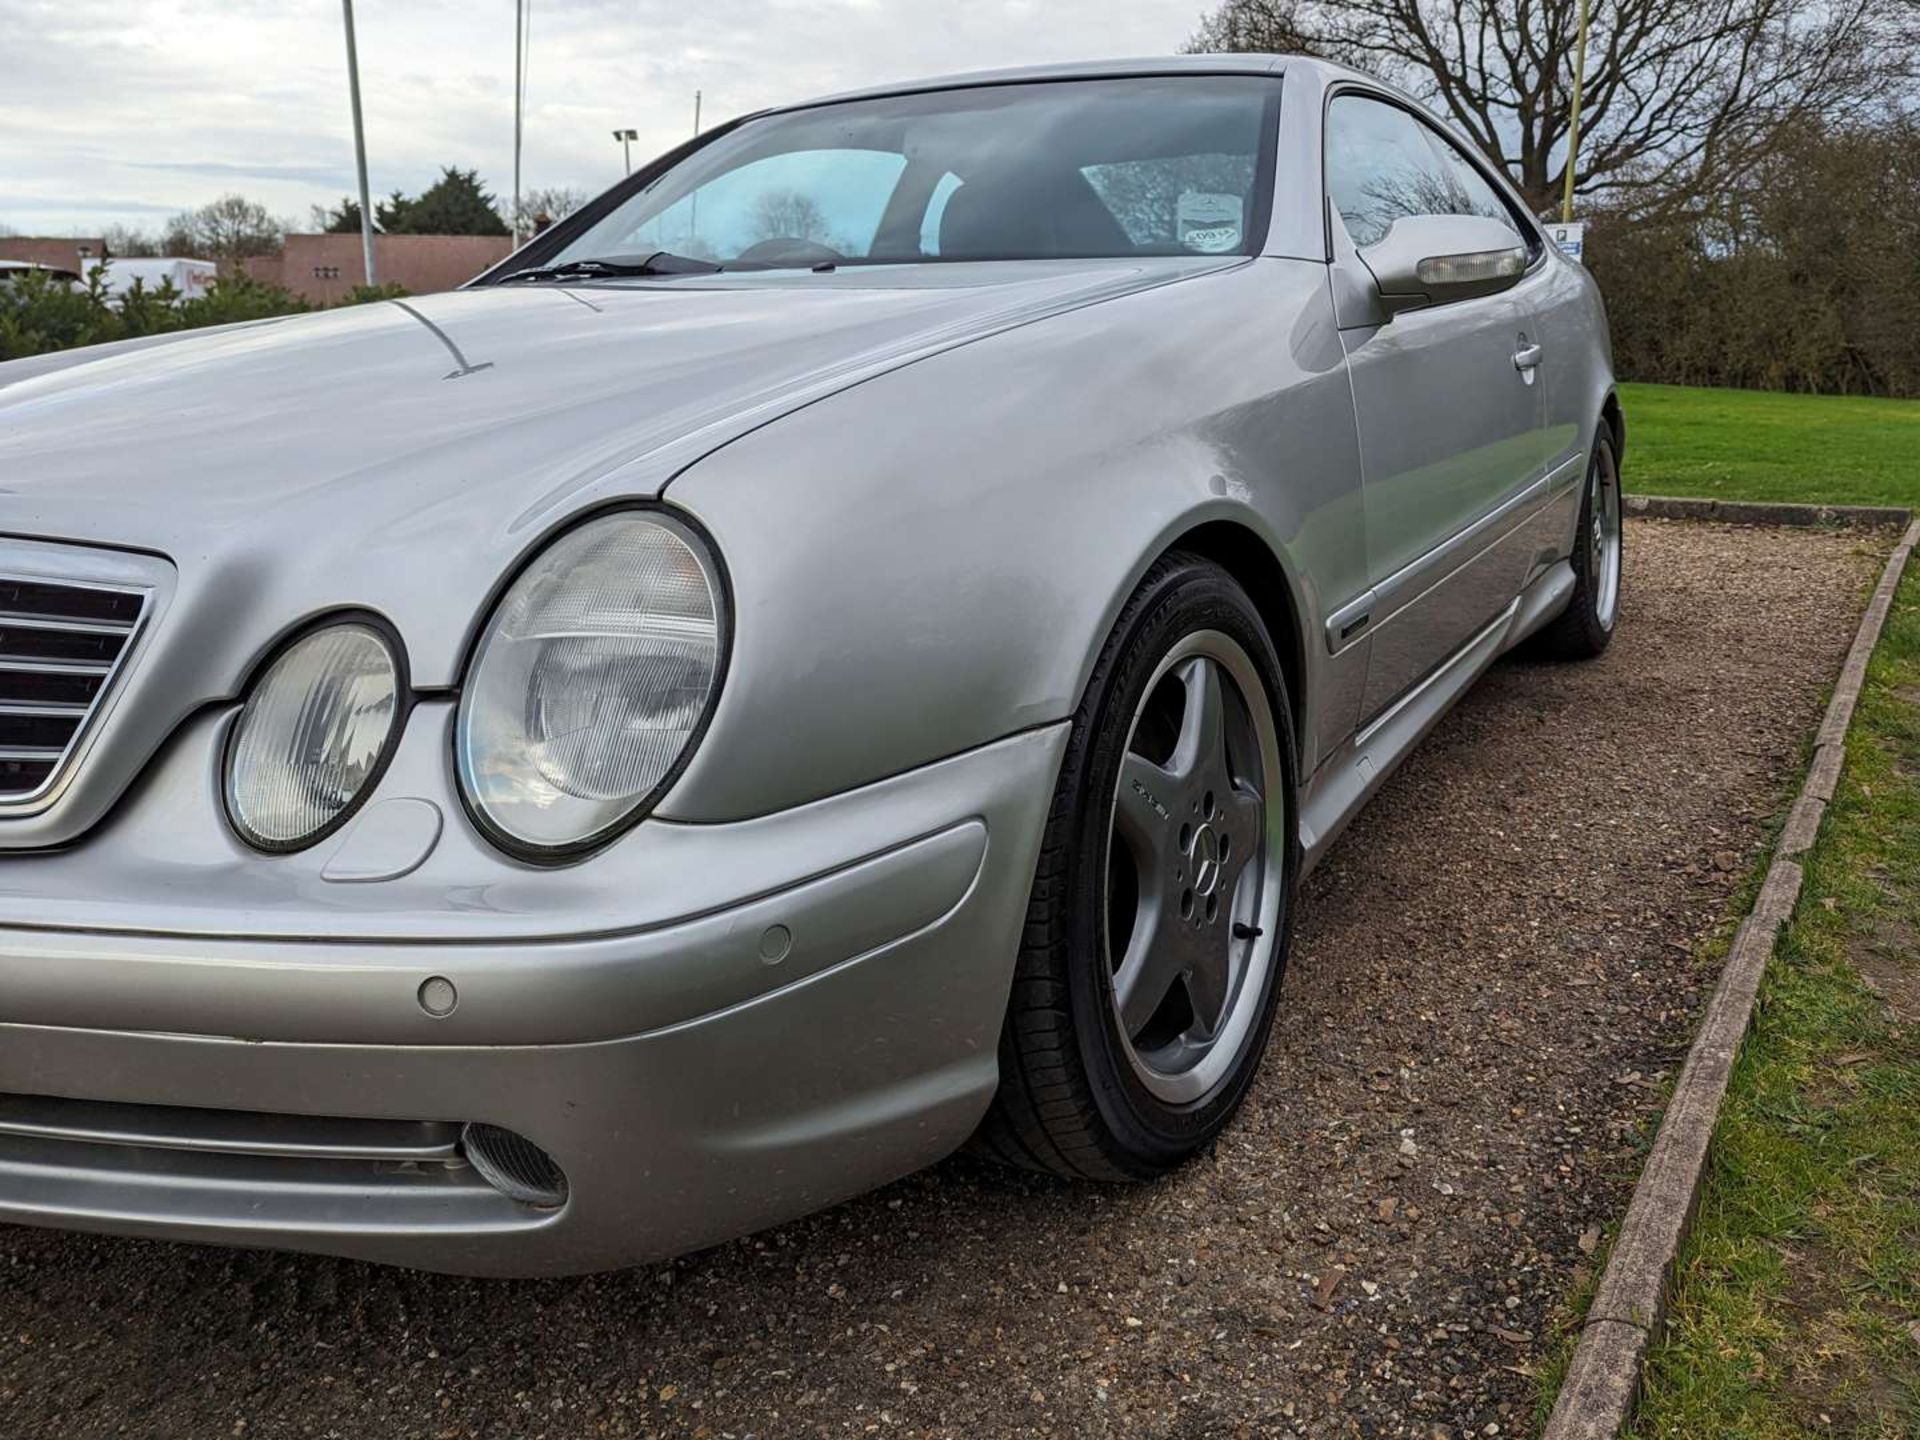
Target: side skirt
x,y
1358,768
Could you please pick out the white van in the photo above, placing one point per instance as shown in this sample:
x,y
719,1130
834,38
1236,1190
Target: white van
x,y
189,277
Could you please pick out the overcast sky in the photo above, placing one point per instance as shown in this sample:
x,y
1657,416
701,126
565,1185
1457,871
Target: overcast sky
x,y
136,110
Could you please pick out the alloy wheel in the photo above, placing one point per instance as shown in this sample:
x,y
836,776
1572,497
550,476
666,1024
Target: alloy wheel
x,y
1195,867
1604,534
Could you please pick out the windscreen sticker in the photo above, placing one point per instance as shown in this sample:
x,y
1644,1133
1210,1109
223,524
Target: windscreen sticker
x,y
1209,223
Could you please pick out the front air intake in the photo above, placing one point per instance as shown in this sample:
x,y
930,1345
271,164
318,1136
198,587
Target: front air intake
x,y
61,646
516,1167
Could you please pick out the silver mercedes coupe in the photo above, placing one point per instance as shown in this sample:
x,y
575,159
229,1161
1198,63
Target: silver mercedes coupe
x,y
841,648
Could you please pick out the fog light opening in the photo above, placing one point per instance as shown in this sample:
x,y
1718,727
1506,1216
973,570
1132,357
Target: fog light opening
x,y
516,1167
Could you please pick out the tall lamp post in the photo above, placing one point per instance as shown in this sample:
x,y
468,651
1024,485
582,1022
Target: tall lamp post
x,y
1573,122
359,146
521,36
626,139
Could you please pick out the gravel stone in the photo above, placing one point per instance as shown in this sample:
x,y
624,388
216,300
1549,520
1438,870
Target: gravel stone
x,y
1492,984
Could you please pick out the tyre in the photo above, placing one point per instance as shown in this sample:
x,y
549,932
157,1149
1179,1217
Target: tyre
x,y
1157,929
1585,627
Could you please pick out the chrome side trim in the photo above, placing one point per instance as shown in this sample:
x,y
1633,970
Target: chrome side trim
x,y
1418,576
1542,602
1352,774
1447,676
1350,623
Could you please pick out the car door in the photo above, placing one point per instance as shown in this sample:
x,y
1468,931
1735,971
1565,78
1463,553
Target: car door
x,y
1450,416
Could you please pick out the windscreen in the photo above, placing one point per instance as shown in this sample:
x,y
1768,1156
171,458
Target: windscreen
x,y
1175,165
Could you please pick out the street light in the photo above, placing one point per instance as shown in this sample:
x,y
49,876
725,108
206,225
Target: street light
x,y
626,139
522,38
359,146
1573,119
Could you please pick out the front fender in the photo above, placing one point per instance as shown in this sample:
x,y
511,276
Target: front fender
x,y
931,559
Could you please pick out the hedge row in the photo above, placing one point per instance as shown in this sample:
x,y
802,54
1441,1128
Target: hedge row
x,y
39,314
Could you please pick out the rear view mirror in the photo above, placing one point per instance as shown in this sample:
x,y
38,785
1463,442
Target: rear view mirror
x,y
1432,259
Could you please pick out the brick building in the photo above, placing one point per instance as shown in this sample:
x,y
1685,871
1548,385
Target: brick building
x,y
319,268
323,268
62,253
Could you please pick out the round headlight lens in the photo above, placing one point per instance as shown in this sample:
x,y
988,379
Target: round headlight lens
x,y
314,732
591,681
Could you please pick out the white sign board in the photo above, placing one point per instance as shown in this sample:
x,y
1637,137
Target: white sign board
x,y
1571,238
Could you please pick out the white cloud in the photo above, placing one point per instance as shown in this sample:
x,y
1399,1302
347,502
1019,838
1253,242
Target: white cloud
x,y
148,107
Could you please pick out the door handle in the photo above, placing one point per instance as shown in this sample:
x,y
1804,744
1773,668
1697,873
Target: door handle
x,y
1526,357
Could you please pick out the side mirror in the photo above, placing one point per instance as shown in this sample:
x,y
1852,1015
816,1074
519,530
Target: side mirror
x,y
1431,259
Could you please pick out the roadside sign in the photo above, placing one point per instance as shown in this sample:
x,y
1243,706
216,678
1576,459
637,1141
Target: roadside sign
x,y
1571,237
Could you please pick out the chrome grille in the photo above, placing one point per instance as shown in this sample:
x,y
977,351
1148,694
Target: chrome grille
x,y
61,646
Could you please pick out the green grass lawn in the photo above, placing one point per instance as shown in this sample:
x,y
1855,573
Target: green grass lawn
x,y
1754,445
1797,1306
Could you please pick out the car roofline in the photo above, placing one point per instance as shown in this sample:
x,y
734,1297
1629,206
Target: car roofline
x,y
1248,64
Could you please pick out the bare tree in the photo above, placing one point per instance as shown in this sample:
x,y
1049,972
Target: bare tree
x,y
228,230
1680,97
127,241
540,208
789,215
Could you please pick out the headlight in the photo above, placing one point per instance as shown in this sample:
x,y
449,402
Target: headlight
x,y
315,732
591,683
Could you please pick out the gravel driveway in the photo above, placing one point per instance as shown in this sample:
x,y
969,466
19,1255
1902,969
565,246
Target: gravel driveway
x,y
1490,980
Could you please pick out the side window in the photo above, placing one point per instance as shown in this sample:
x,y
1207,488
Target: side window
x,y
1476,194
1380,167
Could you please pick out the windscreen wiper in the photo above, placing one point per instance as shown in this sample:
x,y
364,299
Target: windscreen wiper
x,y
660,262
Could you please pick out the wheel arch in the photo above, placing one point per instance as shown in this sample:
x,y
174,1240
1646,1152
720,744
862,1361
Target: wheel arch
x,y
1244,554
1616,421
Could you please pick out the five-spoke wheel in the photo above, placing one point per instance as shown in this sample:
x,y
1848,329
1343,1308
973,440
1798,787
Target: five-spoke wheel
x,y
1585,627
1604,533
1191,878
1157,928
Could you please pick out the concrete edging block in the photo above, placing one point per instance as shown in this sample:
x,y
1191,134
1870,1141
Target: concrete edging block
x,y
1602,1382
1803,824
1762,512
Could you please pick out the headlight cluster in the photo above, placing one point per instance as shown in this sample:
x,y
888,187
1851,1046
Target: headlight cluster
x,y
319,725
591,683
589,687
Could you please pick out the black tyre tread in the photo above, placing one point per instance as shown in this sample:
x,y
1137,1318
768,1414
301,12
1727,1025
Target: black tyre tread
x,y
1576,633
1044,1117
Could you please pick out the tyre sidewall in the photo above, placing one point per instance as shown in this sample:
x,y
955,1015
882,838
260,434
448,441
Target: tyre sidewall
x,y
1190,595
1586,596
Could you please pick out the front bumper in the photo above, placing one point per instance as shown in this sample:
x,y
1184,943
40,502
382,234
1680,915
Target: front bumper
x,y
695,1077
